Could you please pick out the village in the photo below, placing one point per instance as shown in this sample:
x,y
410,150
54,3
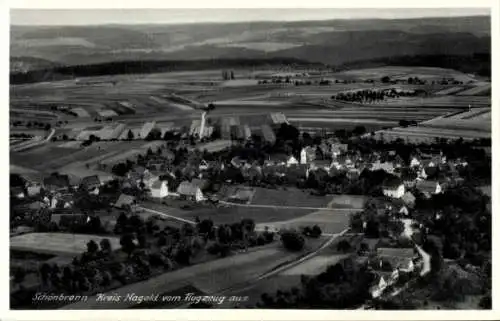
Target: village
x,y
159,196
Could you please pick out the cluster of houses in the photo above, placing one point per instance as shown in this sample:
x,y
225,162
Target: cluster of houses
x,y
389,264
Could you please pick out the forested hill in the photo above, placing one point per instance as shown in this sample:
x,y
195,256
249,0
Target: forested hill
x,y
479,64
152,66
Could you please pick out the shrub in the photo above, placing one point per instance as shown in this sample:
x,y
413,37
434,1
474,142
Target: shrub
x,y
292,240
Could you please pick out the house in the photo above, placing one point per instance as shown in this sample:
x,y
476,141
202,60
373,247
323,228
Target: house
x,y
276,159
56,182
203,165
291,161
149,179
307,154
409,199
320,164
385,166
237,162
159,189
397,258
33,189
415,161
379,285
90,182
190,190
37,205
382,280
203,184
422,174
393,188
125,201
432,162
429,188
17,192
336,149
404,210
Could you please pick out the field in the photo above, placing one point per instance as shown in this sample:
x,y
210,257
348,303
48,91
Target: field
x,y
290,197
402,72
52,157
56,243
209,277
232,214
330,221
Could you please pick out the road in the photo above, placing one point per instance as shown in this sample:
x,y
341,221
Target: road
x,y
166,215
427,261
288,207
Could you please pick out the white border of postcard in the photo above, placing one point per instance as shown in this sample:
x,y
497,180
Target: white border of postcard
x,y
240,314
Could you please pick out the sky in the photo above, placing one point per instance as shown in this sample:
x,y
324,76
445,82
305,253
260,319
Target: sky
x,y
178,16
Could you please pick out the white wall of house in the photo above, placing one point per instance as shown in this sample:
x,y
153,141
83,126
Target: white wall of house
x,y
414,162
439,189
199,195
292,161
396,192
160,192
303,156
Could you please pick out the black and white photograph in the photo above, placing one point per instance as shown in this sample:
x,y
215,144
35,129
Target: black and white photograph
x,y
258,158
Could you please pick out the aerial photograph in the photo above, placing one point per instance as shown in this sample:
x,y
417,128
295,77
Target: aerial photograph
x,y
335,159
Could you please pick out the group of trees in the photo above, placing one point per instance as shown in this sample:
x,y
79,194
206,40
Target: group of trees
x,y
342,286
462,230
32,124
370,96
377,220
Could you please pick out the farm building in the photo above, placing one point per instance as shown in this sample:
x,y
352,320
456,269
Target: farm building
x,y
277,118
393,188
33,189
90,182
190,190
111,131
165,127
385,166
336,149
429,188
17,192
107,113
80,112
56,182
146,129
159,189
398,258
409,199
268,134
195,124
125,201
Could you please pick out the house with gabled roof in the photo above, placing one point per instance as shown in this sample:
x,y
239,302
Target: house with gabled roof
x,y
190,191
291,160
393,188
56,182
409,199
125,201
429,188
17,192
90,182
388,167
159,189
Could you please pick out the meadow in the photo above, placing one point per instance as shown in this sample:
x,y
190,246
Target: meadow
x,y
57,243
